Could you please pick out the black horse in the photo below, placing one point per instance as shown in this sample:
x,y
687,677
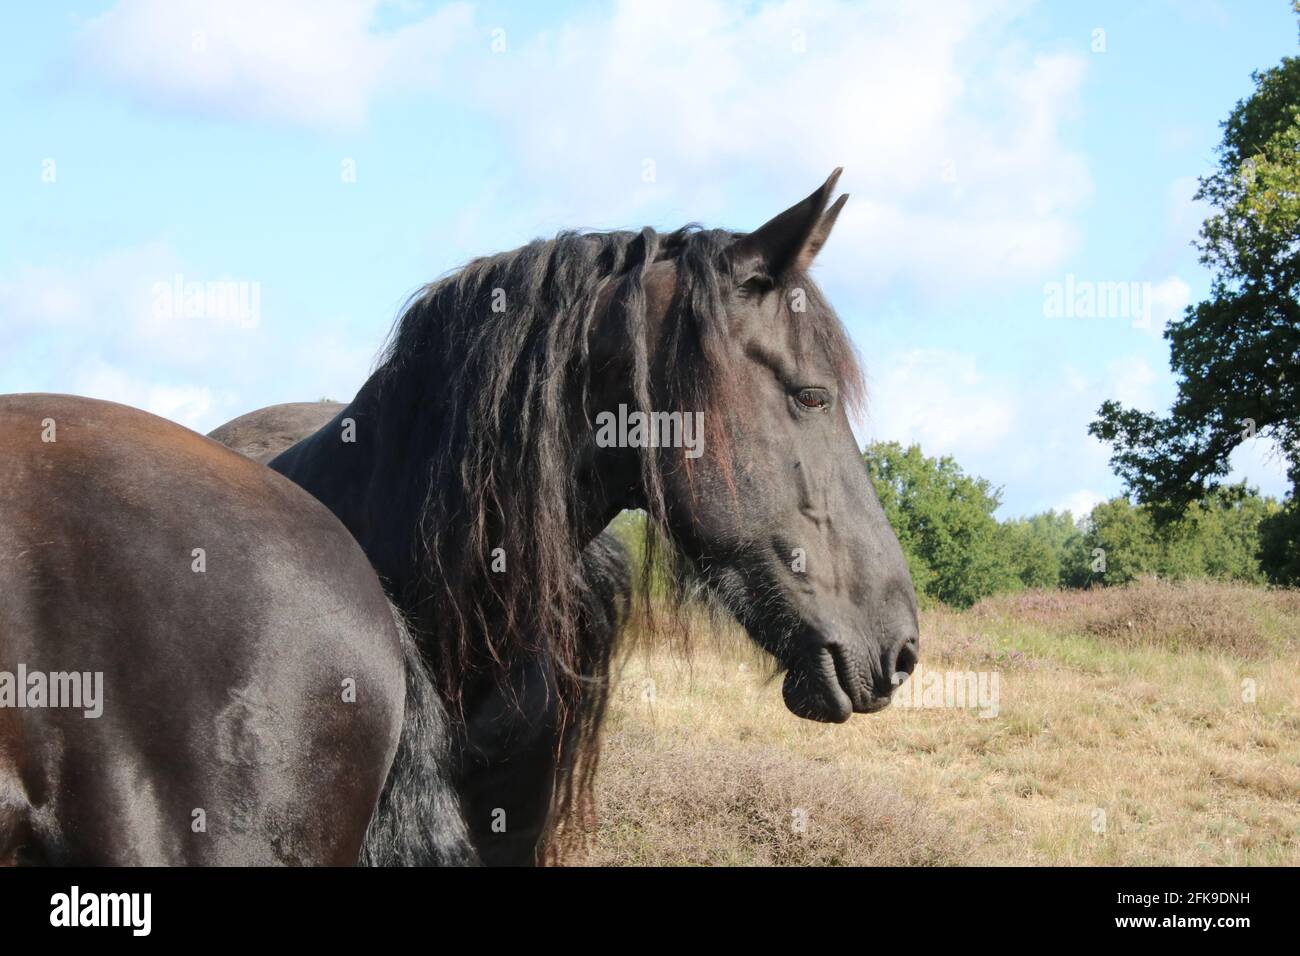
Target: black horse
x,y
198,664
518,750
477,464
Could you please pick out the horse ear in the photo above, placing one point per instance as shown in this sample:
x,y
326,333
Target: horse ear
x,y
792,238
821,233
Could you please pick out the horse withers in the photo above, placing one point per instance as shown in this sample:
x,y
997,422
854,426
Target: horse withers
x,y
210,671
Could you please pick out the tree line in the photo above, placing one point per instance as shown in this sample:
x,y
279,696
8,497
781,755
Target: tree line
x,y
959,552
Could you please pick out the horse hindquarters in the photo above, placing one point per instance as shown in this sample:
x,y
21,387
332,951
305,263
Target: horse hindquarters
x,y
253,678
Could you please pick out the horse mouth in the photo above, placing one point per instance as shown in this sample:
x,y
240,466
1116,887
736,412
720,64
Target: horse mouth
x,y
819,686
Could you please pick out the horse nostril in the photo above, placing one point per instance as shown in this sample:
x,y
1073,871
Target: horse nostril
x,y
904,656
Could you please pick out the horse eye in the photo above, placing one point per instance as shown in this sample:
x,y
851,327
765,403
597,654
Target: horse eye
x,y
814,397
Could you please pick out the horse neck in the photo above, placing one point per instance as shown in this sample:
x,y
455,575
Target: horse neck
x,y
341,466
368,466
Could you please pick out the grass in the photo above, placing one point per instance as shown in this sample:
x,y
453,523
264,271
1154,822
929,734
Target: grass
x,y
1153,724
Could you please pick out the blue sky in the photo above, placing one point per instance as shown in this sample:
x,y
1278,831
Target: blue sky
x,y
990,149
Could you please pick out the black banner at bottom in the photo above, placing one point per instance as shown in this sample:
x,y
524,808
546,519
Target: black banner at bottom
x,y
977,906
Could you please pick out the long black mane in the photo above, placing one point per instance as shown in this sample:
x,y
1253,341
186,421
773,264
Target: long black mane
x,y
492,366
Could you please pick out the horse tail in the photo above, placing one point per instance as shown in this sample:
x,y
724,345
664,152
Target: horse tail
x,y
18,844
605,601
418,820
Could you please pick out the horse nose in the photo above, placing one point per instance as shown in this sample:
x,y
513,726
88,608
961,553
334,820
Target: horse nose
x,y
899,659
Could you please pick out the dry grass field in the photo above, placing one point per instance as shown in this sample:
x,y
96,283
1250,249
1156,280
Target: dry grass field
x,y
1154,724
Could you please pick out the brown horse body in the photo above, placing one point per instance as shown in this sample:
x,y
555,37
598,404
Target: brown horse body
x,y
252,675
263,434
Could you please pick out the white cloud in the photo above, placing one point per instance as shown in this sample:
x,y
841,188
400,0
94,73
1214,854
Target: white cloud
x,y
939,400
317,63
1074,380
1132,382
1169,298
93,327
1260,463
1186,213
188,404
339,365
1080,503
122,301
948,131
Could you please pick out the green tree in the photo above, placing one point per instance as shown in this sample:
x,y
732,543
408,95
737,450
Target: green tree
x,y
1040,548
1279,544
944,520
1229,524
1126,536
1237,354
1216,537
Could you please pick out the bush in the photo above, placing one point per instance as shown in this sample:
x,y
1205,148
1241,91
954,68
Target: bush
x,y
1230,617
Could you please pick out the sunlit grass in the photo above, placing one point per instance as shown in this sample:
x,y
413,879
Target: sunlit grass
x,y
1107,748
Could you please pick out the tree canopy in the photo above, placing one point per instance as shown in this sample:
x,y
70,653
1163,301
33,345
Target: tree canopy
x,y
1236,354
